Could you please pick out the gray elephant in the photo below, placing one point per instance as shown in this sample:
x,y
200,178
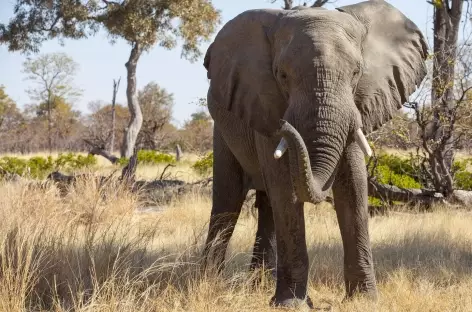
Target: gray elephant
x,y
310,81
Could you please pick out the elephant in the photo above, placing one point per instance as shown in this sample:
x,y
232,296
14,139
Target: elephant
x,y
292,94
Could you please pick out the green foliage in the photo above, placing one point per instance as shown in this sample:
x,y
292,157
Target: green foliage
x,y
204,165
150,157
143,23
397,171
463,180
462,177
400,165
52,75
404,172
386,175
40,167
69,161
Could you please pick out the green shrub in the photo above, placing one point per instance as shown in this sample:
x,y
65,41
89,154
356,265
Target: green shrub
x,y
150,157
204,165
40,167
400,165
153,157
397,171
463,180
386,175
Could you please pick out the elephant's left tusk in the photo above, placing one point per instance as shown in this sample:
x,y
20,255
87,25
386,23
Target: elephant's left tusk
x,y
281,149
363,144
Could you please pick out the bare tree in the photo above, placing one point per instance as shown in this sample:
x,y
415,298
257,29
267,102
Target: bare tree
x,y
156,104
116,85
447,18
53,75
288,4
450,66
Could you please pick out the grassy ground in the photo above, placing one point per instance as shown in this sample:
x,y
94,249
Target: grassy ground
x,y
91,251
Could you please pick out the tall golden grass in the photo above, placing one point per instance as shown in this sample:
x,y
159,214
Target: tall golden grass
x,y
93,251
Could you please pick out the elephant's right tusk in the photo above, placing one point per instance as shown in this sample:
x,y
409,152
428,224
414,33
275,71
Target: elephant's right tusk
x,y
363,144
281,149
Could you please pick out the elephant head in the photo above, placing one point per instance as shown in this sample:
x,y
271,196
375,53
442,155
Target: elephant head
x,y
317,78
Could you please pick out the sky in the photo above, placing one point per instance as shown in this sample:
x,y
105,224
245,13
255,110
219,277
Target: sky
x,y
100,62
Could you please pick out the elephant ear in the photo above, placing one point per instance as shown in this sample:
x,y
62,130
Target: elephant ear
x,y
394,52
239,65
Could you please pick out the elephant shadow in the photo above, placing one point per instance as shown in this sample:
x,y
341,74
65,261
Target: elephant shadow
x,y
435,257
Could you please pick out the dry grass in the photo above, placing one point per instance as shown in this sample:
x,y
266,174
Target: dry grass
x,y
91,251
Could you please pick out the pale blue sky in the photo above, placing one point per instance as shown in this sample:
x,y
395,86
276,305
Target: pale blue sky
x,y
101,62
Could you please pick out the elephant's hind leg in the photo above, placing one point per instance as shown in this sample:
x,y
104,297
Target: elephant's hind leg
x,y
228,197
263,254
350,200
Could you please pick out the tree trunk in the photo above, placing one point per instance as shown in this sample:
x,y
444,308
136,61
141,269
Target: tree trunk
x,y
447,17
178,152
116,85
319,3
288,4
136,116
389,193
96,150
49,104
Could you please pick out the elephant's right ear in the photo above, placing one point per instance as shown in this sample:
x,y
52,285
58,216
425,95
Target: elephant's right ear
x,y
239,64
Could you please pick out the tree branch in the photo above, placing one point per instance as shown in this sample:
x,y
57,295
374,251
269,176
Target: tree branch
x,y
96,150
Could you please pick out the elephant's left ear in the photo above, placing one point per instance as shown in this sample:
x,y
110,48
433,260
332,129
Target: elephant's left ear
x,y
394,52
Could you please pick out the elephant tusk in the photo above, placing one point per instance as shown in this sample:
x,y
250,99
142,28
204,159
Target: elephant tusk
x,y
281,149
362,142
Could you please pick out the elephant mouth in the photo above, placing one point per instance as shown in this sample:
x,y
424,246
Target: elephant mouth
x,y
308,185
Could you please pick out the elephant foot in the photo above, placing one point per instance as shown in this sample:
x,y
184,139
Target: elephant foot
x,y
366,289
292,303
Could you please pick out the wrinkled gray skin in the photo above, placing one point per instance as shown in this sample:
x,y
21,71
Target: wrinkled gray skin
x,y
314,77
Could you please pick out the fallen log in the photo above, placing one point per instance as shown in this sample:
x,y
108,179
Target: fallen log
x,y
390,193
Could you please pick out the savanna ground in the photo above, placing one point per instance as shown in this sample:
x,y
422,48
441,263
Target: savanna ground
x,y
92,251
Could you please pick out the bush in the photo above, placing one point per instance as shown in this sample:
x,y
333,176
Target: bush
x,y
386,175
404,172
40,167
463,180
408,166
389,175
150,157
204,165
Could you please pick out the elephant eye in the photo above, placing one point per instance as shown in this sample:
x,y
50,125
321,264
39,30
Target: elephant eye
x,y
357,70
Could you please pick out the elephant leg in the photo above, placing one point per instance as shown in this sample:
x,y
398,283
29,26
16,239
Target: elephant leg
x,y
228,197
292,256
350,201
263,252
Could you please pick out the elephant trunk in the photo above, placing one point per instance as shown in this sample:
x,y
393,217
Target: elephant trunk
x,y
313,165
306,186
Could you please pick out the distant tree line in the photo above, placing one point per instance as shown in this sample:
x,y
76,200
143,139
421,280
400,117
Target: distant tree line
x,y
51,122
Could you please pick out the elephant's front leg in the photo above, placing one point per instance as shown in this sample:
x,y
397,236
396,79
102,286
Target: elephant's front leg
x,y
292,257
264,246
350,200
228,197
